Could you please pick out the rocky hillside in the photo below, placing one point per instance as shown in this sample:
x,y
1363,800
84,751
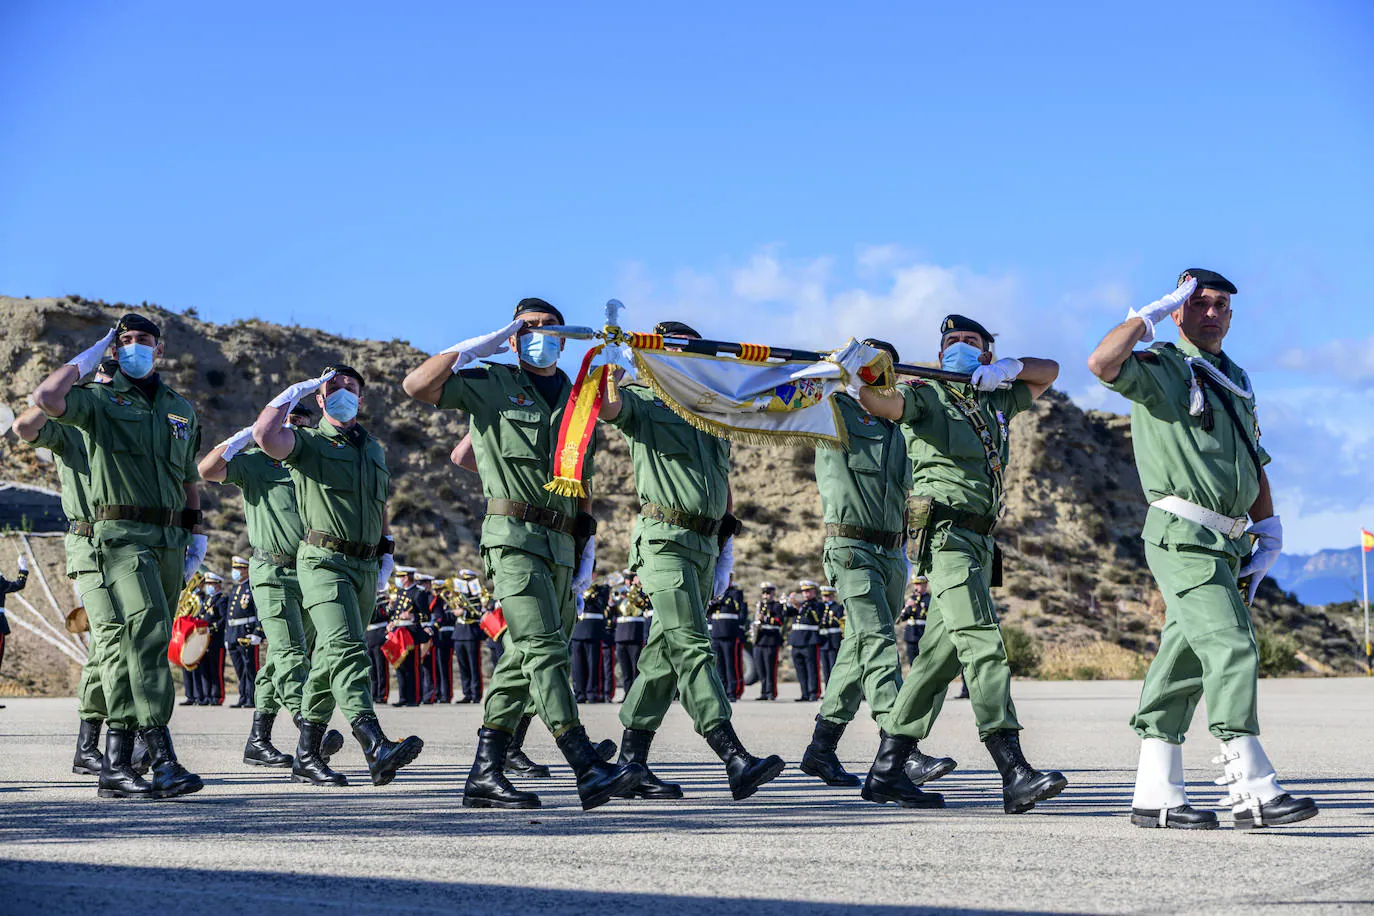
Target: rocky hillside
x,y
1075,569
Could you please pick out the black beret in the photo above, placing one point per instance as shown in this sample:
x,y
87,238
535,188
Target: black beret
x,y
341,369
883,345
132,322
300,410
108,367
676,329
1207,279
960,323
533,304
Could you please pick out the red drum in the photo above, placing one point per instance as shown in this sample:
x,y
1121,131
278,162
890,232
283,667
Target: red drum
x,y
190,640
397,646
493,623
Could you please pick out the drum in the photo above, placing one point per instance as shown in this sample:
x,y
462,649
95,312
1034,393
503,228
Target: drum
x,y
190,641
493,623
77,621
397,646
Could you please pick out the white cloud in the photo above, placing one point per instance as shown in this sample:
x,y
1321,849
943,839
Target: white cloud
x,y
1347,360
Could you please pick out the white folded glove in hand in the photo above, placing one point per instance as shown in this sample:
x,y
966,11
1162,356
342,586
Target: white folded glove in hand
x,y
195,555
858,360
1268,534
486,345
384,571
292,396
86,361
237,442
995,375
586,566
1161,307
725,565
255,640
23,563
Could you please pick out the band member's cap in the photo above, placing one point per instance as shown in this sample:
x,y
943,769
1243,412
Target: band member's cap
x,y
135,322
466,574
1207,279
960,323
807,583
241,562
827,589
213,577
534,304
405,570
768,587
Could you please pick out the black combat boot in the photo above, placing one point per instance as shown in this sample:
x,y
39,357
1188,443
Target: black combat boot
x,y
487,785
922,768
745,771
597,781
308,765
117,777
333,739
820,759
170,778
88,761
384,757
140,760
887,780
1022,785
634,748
517,764
605,749
259,751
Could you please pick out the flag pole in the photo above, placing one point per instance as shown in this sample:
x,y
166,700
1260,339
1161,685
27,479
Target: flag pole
x,y
1364,574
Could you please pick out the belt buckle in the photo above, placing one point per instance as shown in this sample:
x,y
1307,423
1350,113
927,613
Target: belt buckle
x,y
1238,527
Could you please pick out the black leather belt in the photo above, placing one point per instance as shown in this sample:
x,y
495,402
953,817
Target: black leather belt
x,y
165,518
885,539
535,515
276,559
698,524
969,521
81,529
354,549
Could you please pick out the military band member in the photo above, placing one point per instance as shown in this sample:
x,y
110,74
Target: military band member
x,y
539,547
243,632
378,671
404,613
832,632
1196,443
6,587
214,610
607,680
768,623
957,439
345,557
631,632
430,611
587,635
468,636
141,438
914,613
729,619
803,637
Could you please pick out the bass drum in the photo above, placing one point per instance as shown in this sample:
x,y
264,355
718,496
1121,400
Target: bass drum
x,y
190,642
751,671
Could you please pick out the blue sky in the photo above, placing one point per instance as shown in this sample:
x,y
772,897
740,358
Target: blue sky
x,y
787,173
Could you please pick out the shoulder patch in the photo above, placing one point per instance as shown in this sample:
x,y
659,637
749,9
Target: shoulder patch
x,y
520,400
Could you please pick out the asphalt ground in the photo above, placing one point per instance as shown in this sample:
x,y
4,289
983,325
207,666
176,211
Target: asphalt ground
x,y
253,841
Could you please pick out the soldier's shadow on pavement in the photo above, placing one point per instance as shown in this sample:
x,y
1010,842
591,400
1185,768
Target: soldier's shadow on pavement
x,y
59,888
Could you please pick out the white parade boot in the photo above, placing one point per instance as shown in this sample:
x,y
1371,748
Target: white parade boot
x,y
1160,799
1255,796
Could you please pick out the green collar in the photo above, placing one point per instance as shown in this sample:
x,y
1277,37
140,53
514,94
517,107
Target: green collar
x,y
1188,348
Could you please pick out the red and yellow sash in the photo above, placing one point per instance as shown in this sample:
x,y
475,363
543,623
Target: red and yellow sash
x,y
579,424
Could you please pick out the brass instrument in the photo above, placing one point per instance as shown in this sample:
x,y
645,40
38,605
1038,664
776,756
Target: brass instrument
x,y
447,590
188,605
638,598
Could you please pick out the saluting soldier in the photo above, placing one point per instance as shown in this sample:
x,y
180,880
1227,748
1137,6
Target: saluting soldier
x,y
243,634
804,639
141,438
832,632
631,632
468,636
345,557
768,625
538,545
957,438
1196,443
728,618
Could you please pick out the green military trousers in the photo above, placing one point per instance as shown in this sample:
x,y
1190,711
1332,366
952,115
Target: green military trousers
x,y
536,598
961,631
90,691
277,597
129,601
1207,648
334,591
870,584
678,654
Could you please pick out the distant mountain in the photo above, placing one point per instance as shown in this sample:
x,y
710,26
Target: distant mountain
x,y
1325,577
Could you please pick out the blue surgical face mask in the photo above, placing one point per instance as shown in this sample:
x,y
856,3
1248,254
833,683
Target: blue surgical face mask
x,y
341,404
539,350
236,575
136,360
961,357
209,590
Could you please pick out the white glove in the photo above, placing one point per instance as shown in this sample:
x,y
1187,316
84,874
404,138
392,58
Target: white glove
x,y
195,555
237,442
23,563
292,396
86,361
255,640
725,564
994,376
586,564
483,346
384,571
1161,307
1268,534
853,358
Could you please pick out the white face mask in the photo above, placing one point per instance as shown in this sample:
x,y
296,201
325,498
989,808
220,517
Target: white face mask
x,y
209,590
236,575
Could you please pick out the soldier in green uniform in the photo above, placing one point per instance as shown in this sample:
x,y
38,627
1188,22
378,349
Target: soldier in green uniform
x,y
538,547
272,589
141,438
957,439
1197,449
343,559
68,449
864,491
682,551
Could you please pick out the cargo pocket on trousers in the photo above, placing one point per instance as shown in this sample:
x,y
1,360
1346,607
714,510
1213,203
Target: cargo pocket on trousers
x,y
962,600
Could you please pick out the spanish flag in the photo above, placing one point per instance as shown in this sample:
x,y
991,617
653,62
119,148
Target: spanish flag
x,y
1366,540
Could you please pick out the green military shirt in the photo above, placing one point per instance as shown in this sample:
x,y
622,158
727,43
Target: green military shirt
x,y
514,434
141,452
342,482
676,465
867,484
269,501
948,461
68,447
1176,456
